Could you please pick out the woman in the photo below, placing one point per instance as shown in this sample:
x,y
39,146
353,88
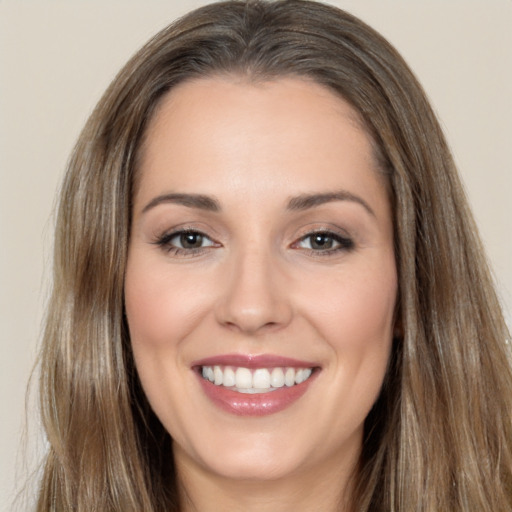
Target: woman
x,y
268,291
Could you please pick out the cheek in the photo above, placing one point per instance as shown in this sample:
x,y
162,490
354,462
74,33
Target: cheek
x,y
160,307
358,302
354,314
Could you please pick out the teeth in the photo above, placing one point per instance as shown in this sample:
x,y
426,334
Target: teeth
x,y
260,380
229,379
243,378
217,375
289,377
208,373
302,375
277,378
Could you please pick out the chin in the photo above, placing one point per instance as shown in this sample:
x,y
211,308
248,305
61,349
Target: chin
x,y
246,456
259,470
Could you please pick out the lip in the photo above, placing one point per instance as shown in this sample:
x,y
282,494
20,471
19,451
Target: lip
x,y
260,404
254,361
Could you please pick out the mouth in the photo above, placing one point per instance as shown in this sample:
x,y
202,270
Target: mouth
x,y
254,385
252,381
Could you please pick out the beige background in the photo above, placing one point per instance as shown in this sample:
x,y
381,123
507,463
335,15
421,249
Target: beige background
x,y
57,57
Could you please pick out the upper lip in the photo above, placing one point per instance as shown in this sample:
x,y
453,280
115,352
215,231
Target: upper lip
x,y
253,361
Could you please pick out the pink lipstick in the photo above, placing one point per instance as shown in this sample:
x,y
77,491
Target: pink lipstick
x,y
254,385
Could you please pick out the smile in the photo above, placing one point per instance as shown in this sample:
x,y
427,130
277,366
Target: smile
x,y
251,381
254,385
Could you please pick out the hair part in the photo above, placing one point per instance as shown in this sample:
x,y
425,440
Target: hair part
x,y
439,436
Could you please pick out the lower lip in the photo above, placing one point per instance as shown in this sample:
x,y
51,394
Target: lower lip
x,y
258,404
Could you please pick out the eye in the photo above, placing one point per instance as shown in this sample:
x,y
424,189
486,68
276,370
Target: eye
x,y
185,242
190,240
324,241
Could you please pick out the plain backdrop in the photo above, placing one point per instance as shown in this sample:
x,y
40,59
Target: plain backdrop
x,y
57,57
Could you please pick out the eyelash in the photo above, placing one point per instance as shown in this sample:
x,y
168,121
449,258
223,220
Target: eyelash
x,y
164,241
345,244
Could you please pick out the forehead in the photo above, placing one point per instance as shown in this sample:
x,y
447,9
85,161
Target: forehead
x,y
214,132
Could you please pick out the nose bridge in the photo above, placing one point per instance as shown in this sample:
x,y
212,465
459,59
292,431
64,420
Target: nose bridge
x,y
254,296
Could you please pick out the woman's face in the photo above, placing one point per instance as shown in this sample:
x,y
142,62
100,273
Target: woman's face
x,y
261,258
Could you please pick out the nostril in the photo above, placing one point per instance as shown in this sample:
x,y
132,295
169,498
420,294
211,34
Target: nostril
x,y
251,325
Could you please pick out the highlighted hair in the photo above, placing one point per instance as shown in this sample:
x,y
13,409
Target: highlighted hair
x,y
439,437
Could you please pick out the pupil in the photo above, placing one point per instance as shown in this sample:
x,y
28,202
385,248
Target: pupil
x,y
191,240
321,242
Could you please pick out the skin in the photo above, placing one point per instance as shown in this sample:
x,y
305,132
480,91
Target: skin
x,y
257,286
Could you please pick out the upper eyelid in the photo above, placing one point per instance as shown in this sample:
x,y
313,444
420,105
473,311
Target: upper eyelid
x,y
163,242
169,235
300,234
328,233
336,236
183,228
323,229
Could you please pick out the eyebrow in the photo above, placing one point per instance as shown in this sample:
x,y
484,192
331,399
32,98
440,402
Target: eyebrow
x,y
306,201
199,201
298,203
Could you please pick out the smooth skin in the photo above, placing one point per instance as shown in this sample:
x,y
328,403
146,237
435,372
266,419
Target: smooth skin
x,y
261,270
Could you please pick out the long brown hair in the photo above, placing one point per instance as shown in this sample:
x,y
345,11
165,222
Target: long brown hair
x,y
439,437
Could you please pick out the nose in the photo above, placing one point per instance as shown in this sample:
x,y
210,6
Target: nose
x,y
255,295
